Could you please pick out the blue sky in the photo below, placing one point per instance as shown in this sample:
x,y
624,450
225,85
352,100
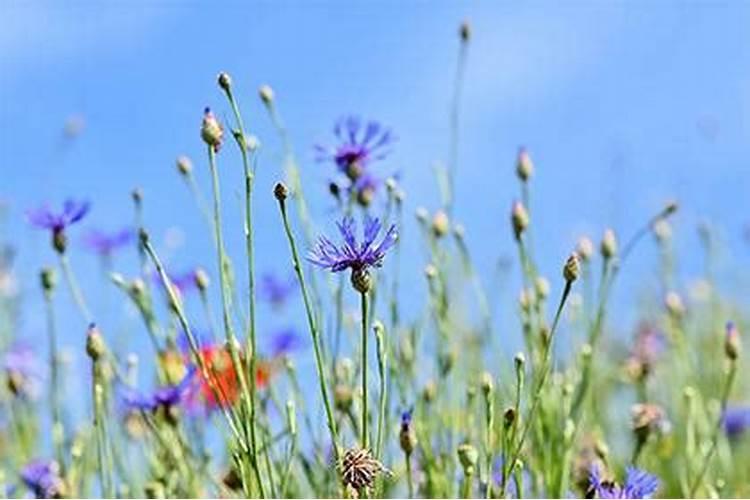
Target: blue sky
x,y
623,105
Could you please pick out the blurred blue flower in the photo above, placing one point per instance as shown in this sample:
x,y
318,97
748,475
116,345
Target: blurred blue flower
x,y
72,212
106,243
359,144
350,255
183,282
284,341
736,420
166,397
23,369
638,484
42,477
275,290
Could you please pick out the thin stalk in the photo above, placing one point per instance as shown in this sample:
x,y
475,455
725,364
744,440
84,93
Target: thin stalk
x,y
382,372
58,431
75,290
454,125
409,479
717,428
363,427
314,333
252,348
490,424
540,385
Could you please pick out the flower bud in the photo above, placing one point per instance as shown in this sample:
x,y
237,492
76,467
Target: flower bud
x,y
440,224
465,31
137,195
509,417
422,215
430,271
225,81
572,268
662,231
342,397
468,456
280,191
201,279
524,166
519,219
541,286
446,360
486,384
95,346
647,418
184,165
361,280
519,360
212,132
673,304
266,94
585,248
732,343
48,279
59,240
407,436
609,244
429,391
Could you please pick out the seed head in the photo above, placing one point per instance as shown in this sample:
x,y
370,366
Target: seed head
x,y
572,268
609,244
359,471
519,219
266,94
524,166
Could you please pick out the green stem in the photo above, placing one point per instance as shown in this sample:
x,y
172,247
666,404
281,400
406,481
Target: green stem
x,y
382,372
58,431
75,290
364,371
313,330
717,429
409,479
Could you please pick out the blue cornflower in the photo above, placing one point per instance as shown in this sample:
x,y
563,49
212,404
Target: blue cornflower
x,y
167,397
638,484
106,243
360,143
350,255
182,282
284,341
44,218
275,290
736,420
23,370
42,477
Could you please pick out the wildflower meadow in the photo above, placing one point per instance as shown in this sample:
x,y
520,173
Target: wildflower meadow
x,y
319,330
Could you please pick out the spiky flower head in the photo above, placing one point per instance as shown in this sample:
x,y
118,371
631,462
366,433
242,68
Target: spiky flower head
x,y
360,143
359,470
358,257
44,218
42,477
638,484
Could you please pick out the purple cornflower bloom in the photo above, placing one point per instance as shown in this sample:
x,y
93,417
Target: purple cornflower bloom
x,y
638,484
183,282
106,243
359,144
44,218
23,370
406,418
275,290
350,255
166,397
736,420
285,341
42,477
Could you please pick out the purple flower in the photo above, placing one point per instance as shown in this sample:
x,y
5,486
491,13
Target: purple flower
x,y
106,243
183,282
638,484
406,418
275,290
23,370
359,144
44,218
350,255
166,397
736,420
285,341
42,477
